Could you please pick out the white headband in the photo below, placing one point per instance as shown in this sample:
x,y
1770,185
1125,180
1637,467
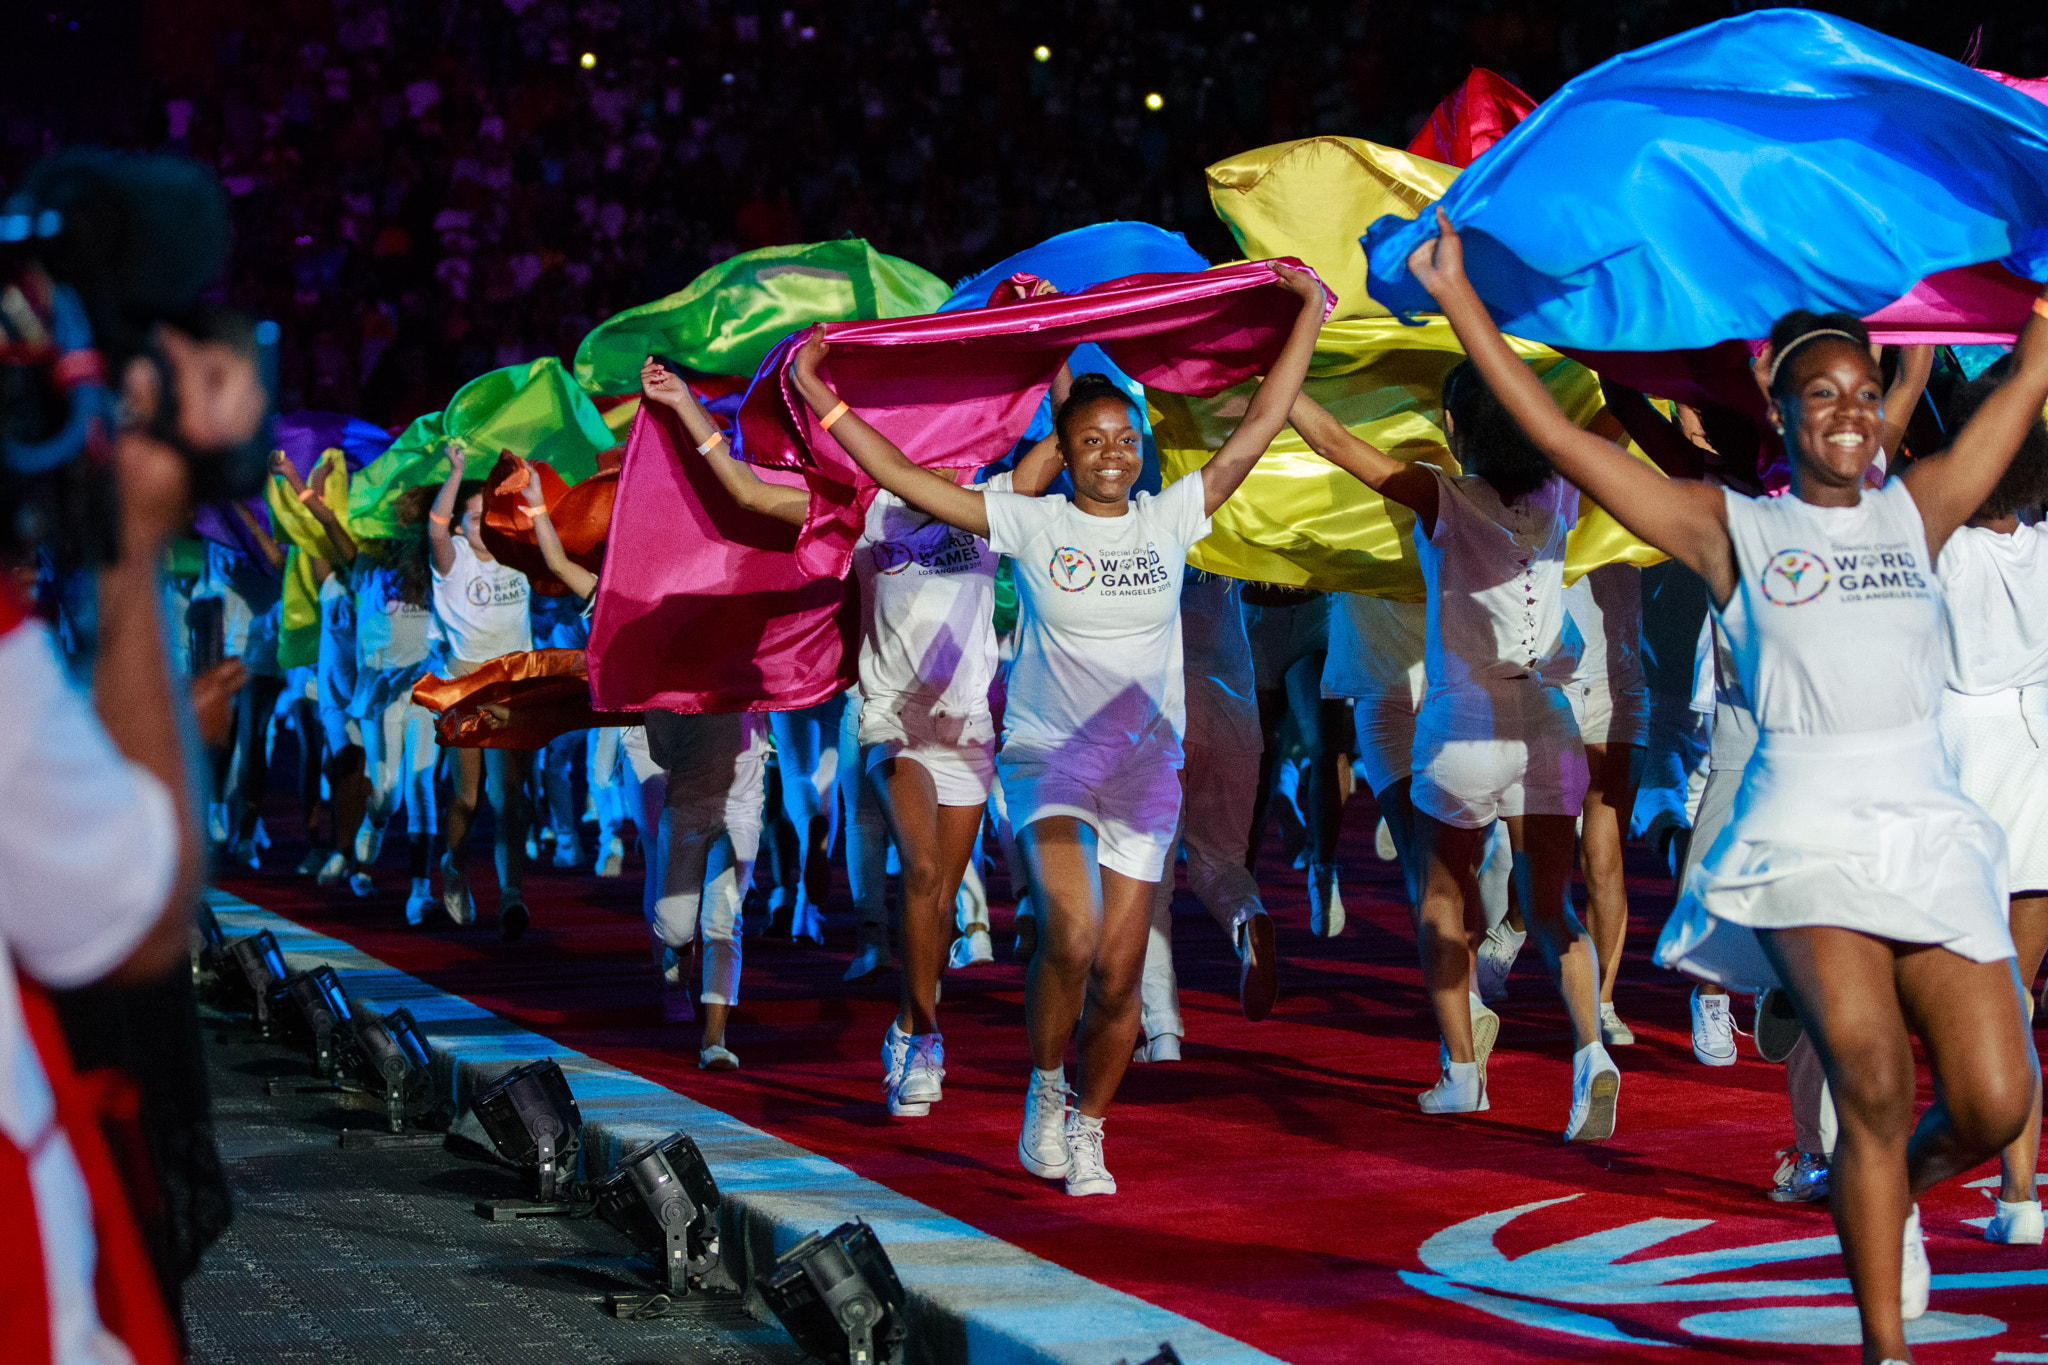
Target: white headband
x,y
1771,376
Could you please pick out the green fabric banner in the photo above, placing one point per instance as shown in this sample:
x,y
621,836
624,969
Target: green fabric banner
x,y
418,456
728,318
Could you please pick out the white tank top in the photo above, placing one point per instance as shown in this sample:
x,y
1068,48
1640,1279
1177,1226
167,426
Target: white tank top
x,y
1835,624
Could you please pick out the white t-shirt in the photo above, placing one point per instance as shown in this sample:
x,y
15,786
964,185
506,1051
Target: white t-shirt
x,y
88,850
927,639
390,631
1098,629
1997,591
480,609
1495,573
1376,648
1835,624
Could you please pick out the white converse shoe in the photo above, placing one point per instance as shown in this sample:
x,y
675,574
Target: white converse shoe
x,y
717,1057
455,896
867,960
1596,1093
1325,903
1485,1033
1913,1270
417,902
1713,1029
971,949
369,843
1614,1033
1164,1048
612,861
1383,843
334,871
1086,1173
1497,954
917,1086
2016,1225
1042,1147
1460,1090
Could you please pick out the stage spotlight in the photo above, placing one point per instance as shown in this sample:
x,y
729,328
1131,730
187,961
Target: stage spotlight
x,y
262,969
1155,102
533,1120
837,1294
662,1196
394,1060
589,60
325,1012
1042,53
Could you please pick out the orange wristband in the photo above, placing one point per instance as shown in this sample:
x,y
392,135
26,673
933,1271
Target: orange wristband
x,y
2041,306
306,495
437,519
716,438
825,422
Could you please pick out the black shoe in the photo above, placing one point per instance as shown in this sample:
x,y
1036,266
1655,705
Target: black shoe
x,y
512,921
1777,1025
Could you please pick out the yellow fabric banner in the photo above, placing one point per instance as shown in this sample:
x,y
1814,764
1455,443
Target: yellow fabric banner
x,y
298,634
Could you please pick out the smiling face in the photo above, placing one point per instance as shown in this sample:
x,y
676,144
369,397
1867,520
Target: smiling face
x,y
1831,413
1104,451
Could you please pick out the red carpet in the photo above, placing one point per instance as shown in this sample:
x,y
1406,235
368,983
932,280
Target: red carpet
x,y
1279,1184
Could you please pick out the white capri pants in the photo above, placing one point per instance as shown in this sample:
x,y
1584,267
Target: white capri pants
x,y
701,781
400,748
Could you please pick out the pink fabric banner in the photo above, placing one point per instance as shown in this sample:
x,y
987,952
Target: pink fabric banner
x,y
702,606
956,390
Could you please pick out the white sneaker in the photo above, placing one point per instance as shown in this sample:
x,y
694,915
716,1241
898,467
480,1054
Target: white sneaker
x,y
717,1057
612,861
1461,1089
806,924
1042,1148
1596,1093
870,958
917,1086
1485,1032
1383,843
417,902
895,1052
1164,1048
369,843
217,822
1913,1270
455,896
1613,1032
1713,1029
334,871
1086,1173
2016,1225
360,883
1325,903
1497,954
568,852
971,950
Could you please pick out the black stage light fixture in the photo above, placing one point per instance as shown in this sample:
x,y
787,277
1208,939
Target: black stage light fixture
x,y
261,963
837,1294
533,1120
324,1010
662,1196
393,1060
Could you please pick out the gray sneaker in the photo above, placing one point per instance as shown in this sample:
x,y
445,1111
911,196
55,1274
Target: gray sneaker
x,y
1802,1178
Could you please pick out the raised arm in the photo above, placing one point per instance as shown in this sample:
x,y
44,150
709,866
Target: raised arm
x,y
1413,488
337,535
659,384
1949,488
931,493
1664,442
1041,464
273,553
1270,405
1686,520
1916,363
439,538
574,576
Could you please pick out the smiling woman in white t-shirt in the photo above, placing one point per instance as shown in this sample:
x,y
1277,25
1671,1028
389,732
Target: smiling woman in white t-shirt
x,y
1092,752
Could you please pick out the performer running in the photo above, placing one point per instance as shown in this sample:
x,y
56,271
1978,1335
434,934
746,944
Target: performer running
x,y
1095,711
1495,738
1874,888
1994,722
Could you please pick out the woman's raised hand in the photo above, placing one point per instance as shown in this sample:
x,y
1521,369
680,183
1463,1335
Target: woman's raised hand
x,y
1439,263
1299,283
812,353
662,385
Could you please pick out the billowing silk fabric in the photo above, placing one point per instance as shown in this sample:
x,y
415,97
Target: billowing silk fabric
x,y
1084,258
727,319
581,515
1698,188
533,409
1300,521
701,606
516,701
1307,198
955,390
303,437
1472,118
304,538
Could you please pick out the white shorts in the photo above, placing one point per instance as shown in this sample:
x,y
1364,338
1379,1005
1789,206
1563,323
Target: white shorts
x,y
1130,798
1386,737
1607,714
1995,743
962,774
1484,753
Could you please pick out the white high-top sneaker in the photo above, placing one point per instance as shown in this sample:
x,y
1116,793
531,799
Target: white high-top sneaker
x,y
1042,1147
1596,1093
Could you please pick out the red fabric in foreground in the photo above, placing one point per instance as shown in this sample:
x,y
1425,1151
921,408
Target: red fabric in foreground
x,y
1278,1183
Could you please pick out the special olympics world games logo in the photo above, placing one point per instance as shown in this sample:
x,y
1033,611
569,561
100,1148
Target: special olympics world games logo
x,y
1793,578
1071,569
478,592
890,557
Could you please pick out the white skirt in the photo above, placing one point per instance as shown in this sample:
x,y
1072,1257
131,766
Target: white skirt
x,y
1867,832
1996,745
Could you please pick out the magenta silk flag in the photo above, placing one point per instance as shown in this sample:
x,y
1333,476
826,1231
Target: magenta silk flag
x,y
701,606
956,390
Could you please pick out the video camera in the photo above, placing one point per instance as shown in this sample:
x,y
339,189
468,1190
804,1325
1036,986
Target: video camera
x,y
97,251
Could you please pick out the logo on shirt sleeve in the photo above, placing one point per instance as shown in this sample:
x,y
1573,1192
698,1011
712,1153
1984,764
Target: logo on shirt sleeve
x,y
1071,569
1793,578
